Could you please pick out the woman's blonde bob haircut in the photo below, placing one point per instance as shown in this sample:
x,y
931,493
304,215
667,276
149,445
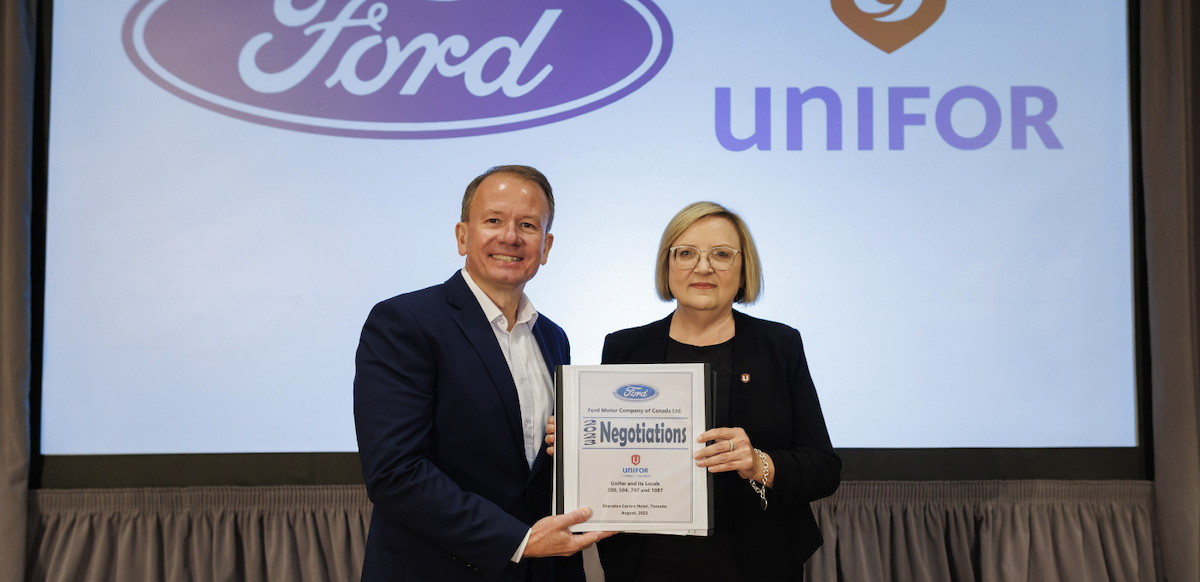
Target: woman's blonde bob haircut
x,y
692,213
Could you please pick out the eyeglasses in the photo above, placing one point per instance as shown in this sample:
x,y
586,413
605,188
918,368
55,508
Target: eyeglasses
x,y
687,257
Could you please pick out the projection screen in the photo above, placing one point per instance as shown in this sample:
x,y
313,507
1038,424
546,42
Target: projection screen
x,y
940,191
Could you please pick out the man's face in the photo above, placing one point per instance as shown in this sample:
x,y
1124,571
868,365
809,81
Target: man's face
x,y
505,238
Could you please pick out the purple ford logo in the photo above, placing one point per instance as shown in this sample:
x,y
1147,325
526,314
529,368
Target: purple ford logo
x,y
399,68
633,392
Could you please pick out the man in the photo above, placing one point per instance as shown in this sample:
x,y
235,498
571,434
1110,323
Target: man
x,y
451,396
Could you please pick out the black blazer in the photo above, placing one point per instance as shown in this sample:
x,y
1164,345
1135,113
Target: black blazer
x,y
778,408
440,440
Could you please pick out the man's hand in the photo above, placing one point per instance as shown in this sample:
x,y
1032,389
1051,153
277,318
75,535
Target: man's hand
x,y
550,536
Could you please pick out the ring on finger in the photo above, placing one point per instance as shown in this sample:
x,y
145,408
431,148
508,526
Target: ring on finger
x,y
730,445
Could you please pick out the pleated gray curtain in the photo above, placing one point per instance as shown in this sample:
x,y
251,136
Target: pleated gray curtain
x,y
1169,147
992,531
986,531
251,534
17,45
874,531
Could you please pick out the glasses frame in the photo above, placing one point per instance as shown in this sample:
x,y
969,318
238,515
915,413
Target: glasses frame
x,y
701,253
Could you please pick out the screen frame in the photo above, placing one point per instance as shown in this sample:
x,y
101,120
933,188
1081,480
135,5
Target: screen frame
x,y
264,469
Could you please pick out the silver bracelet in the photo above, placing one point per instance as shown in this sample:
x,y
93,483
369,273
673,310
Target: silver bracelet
x,y
761,489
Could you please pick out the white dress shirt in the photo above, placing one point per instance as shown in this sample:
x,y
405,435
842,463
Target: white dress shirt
x,y
535,388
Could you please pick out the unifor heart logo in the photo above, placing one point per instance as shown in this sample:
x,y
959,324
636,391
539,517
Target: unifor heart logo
x,y
888,24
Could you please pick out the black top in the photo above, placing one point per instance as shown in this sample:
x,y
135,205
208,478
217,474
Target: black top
x,y
769,393
667,557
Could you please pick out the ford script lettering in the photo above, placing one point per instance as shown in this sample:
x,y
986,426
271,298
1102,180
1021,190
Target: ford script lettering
x,y
399,68
635,392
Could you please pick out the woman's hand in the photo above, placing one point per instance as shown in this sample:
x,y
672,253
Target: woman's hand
x,y
550,435
731,451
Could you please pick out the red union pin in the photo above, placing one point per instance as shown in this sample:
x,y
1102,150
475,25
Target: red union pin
x,y
745,378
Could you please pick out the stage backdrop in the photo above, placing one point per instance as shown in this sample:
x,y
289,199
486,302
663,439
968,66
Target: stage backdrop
x,y
940,192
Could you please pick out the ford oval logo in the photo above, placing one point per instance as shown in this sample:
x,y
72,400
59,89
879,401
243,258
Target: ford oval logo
x,y
635,392
399,68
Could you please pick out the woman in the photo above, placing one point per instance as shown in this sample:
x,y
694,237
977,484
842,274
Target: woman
x,y
771,454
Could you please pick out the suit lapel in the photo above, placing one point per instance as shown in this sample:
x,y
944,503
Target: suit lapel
x,y
658,336
550,355
478,330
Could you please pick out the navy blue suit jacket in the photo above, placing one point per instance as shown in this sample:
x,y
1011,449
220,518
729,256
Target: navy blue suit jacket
x,y
440,440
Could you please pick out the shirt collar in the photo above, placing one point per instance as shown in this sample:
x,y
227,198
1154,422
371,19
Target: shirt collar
x,y
525,310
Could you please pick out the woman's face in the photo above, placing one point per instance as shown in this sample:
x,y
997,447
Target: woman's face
x,y
703,288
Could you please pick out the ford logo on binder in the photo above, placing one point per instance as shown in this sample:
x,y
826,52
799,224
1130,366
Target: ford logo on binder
x,y
636,392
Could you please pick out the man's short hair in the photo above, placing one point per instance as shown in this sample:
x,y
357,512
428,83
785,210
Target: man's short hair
x,y
525,172
691,214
